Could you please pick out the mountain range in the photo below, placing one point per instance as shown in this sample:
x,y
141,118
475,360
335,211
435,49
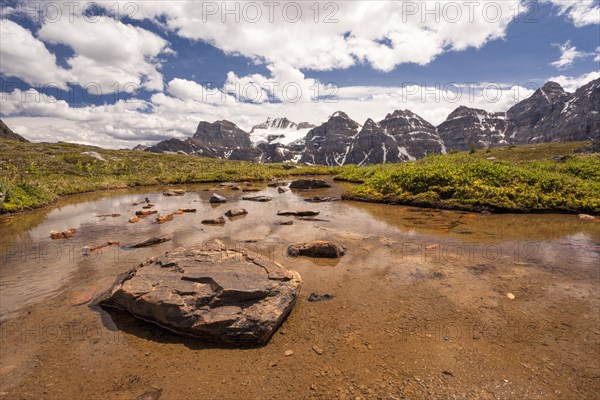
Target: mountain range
x,y
549,114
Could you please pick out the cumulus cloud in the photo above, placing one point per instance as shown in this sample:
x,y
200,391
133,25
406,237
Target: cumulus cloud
x,y
572,83
569,54
26,57
325,36
115,56
580,12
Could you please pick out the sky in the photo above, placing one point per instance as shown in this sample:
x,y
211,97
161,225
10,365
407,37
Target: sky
x,y
120,73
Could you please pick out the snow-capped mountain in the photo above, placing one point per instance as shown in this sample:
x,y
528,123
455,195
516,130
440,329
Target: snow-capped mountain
x,y
279,131
550,114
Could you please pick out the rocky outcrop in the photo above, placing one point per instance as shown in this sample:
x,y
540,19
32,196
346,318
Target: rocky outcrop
x,y
214,293
221,139
466,127
330,143
551,114
7,134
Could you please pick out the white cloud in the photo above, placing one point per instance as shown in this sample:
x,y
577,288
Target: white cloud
x,y
597,59
569,54
116,56
25,57
580,12
572,83
413,33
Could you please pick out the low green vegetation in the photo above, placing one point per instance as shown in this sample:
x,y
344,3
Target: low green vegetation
x,y
539,178
36,174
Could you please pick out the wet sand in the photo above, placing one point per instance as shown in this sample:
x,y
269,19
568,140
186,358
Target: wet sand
x,y
420,308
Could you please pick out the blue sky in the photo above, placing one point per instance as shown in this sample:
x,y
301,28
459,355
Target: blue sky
x,y
168,52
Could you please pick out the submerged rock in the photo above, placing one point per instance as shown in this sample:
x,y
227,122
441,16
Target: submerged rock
x,y
284,222
299,213
214,221
309,184
318,199
149,242
236,212
320,297
261,199
216,198
586,217
174,192
214,293
68,234
277,184
317,248
161,219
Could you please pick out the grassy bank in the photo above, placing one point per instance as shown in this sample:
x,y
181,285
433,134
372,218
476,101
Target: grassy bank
x,y
519,179
35,174
533,178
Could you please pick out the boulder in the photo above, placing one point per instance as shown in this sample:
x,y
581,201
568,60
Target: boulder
x,y
258,198
236,212
318,249
309,184
214,221
213,293
299,213
215,198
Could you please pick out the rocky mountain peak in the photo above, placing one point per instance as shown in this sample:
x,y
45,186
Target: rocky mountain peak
x,y
7,134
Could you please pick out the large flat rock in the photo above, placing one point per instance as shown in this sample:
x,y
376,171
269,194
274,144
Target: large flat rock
x,y
215,293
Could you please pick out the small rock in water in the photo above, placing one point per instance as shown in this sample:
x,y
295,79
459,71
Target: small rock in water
x,y
317,199
145,213
236,212
149,206
133,220
288,353
216,198
174,192
318,350
149,242
214,221
586,217
313,219
187,210
320,297
161,219
108,215
251,190
284,222
277,184
258,198
510,296
299,213
317,248
68,234
151,395
236,188
309,184
282,190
